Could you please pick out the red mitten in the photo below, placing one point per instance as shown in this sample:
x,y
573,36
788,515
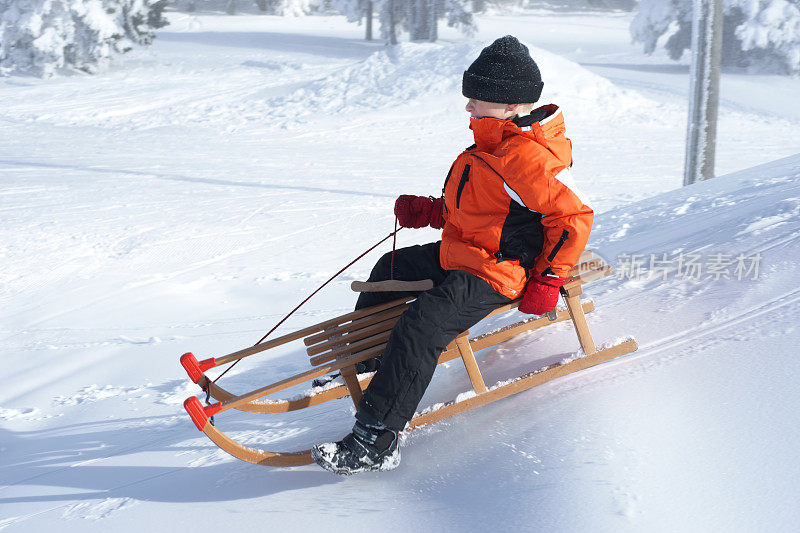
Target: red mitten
x,y
413,211
541,294
437,213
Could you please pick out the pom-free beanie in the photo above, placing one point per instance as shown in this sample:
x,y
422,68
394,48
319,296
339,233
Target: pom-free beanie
x,y
504,73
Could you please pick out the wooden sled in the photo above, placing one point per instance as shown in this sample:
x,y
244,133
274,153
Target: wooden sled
x,y
337,345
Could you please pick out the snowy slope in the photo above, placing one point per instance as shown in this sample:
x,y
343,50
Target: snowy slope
x,y
189,197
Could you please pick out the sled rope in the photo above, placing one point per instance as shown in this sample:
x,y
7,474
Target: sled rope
x,y
394,246
351,263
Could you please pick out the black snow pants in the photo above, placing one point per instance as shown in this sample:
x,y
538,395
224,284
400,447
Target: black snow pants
x,y
457,302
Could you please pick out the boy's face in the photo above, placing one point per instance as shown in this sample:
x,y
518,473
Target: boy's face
x,y
481,109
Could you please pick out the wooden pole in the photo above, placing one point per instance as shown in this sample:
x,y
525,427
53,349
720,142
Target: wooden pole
x,y
433,30
701,136
369,21
392,30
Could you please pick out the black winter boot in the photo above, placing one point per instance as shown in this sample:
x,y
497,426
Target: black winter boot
x,y
366,448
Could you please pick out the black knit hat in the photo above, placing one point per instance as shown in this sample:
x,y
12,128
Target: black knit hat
x,y
504,73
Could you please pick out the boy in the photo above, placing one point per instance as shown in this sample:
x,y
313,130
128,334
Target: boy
x,y
513,224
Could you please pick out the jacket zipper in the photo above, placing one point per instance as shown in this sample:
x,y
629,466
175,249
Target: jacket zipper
x,y
559,244
464,180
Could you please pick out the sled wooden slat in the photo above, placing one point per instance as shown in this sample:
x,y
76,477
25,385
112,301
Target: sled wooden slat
x,y
586,255
356,324
585,262
363,344
297,335
353,336
591,264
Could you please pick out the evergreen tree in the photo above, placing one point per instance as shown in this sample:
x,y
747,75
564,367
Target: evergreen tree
x,y
268,7
40,36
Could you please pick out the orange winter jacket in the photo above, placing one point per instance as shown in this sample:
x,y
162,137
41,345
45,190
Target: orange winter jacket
x,y
511,204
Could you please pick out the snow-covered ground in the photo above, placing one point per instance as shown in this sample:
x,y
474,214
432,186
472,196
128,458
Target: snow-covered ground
x,y
190,196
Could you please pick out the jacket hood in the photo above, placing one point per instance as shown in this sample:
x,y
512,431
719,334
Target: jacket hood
x,y
545,125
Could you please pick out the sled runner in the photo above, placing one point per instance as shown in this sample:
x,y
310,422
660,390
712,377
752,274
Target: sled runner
x,y
338,344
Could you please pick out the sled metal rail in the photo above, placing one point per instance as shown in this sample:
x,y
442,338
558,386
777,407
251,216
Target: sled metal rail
x,y
338,344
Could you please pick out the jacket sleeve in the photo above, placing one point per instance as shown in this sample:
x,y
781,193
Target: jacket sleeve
x,y
547,187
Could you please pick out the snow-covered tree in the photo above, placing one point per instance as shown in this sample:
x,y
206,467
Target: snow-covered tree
x,y
418,17
592,5
40,36
268,7
627,5
760,34
297,7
